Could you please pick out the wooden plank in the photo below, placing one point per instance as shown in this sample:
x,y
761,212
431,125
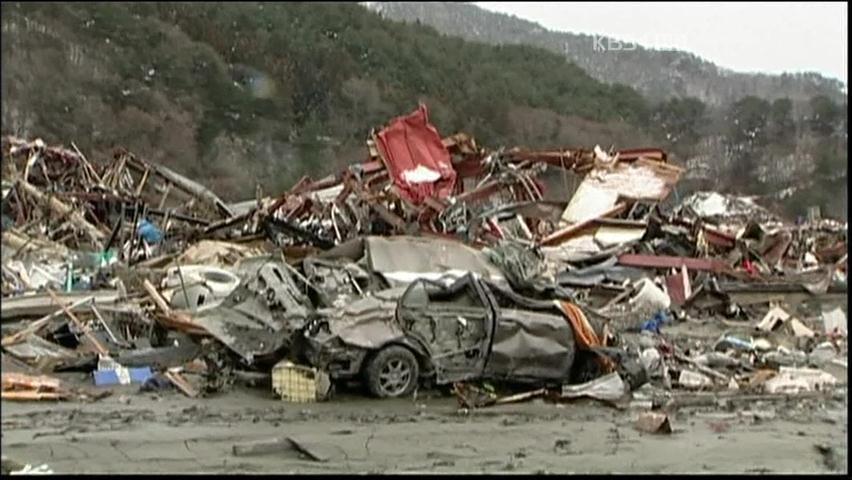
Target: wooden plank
x,y
98,346
520,397
702,368
41,323
12,380
165,196
95,234
109,331
316,451
181,384
142,182
261,447
566,233
158,299
33,395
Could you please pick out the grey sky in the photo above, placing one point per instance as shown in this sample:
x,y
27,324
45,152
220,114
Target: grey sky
x,y
771,37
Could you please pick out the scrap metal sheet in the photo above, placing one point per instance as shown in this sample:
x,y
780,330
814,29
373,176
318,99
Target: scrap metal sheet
x,y
531,345
402,260
367,322
416,158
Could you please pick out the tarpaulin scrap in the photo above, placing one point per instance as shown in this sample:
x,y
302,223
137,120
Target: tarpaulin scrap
x,y
149,232
416,158
654,323
584,334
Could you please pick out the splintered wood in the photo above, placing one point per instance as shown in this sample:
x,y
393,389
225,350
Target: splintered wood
x,y
19,386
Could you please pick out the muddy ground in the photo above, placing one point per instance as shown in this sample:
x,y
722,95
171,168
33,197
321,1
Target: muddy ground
x,y
133,432
165,432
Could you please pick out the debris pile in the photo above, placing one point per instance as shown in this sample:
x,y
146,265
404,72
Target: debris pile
x,y
433,262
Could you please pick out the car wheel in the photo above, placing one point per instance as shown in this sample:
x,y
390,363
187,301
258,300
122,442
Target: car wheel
x,y
393,372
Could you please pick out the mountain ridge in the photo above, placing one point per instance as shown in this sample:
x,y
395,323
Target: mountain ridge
x,y
659,74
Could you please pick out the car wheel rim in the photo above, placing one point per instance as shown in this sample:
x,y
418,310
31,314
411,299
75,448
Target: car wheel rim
x,y
395,377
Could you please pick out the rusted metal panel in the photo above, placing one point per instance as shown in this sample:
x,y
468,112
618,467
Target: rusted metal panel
x,y
304,183
678,286
632,154
395,220
665,261
484,191
469,167
719,239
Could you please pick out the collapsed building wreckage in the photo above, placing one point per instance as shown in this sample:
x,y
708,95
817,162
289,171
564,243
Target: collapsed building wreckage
x,y
434,260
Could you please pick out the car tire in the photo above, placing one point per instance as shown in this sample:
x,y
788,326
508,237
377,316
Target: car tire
x,y
392,372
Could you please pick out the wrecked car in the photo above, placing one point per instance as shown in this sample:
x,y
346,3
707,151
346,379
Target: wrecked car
x,y
258,319
469,330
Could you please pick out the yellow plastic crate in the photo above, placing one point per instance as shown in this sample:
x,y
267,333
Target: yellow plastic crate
x,y
299,384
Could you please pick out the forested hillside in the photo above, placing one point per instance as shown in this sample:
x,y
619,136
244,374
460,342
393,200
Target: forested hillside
x,y
239,94
657,74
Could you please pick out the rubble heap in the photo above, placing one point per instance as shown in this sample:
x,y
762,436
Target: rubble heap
x,y
434,260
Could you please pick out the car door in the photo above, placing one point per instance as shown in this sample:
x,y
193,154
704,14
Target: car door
x,y
454,325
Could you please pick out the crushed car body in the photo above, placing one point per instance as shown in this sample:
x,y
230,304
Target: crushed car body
x,y
445,333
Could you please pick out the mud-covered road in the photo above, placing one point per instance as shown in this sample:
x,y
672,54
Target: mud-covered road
x,y
133,432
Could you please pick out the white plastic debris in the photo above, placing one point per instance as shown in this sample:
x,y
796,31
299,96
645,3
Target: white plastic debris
x,y
835,321
810,260
762,345
773,319
838,369
650,297
716,359
796,380
609,387
651,360
603,157
28,469
690,379
710,204
800,330
822,354
421,174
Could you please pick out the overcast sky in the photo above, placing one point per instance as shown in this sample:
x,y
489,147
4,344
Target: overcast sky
x,y
771,37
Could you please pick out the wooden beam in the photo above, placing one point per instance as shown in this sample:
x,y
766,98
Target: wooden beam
x,y
566,233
